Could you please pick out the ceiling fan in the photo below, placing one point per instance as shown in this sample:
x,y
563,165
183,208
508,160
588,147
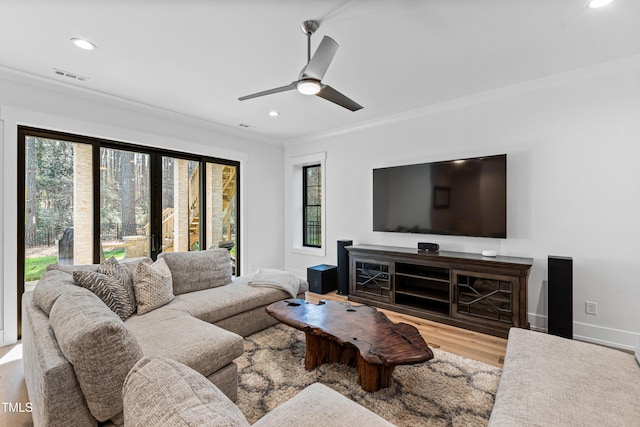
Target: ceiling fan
x,y
310,79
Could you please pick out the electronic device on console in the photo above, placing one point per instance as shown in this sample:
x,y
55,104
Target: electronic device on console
x,y
429,247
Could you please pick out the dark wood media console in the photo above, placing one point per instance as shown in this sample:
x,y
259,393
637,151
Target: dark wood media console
x,y
484,294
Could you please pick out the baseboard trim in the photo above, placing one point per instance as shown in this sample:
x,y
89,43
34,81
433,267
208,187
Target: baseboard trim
x,y
609,337
538,322
595,334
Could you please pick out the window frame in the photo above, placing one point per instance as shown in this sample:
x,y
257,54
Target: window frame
x,y
295,203
156,154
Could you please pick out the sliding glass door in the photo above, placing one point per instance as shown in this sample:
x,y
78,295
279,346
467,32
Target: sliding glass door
x,y
125,204
222,207
58,198
82,200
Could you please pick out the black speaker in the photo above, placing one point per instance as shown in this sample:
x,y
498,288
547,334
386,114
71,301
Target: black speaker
x,y
560,296
322,278
343,266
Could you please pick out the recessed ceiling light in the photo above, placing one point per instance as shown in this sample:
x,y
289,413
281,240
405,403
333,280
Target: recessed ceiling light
x,y
594,4
83,44
274,113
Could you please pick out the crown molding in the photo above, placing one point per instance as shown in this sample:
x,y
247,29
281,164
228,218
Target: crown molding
x,y
65,88
627,63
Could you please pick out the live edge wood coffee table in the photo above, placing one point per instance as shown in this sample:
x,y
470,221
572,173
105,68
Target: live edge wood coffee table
x,y
359,336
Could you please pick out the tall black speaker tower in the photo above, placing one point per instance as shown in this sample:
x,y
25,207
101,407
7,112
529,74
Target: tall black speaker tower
x,y
343,266
560,296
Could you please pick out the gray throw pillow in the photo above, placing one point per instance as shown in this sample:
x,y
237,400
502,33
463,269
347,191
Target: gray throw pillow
x,y
153,286
112,267
108,288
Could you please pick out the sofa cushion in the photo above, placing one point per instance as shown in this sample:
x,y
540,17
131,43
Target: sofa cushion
x,y
166,332
161,391
53,284
549,380
100,347
194,271
153,286
111,267
48,374
318,405
212,305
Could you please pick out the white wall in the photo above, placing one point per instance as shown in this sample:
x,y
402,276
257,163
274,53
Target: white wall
x,y
34,103
573,155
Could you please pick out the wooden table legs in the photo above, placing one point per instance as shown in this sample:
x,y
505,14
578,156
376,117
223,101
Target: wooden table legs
x,y
324,350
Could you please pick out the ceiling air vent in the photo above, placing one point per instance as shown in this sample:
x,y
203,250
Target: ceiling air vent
x,y
69,75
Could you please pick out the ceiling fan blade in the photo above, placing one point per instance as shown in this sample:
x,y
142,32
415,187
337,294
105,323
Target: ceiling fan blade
x,y
330,94
290,86
319,63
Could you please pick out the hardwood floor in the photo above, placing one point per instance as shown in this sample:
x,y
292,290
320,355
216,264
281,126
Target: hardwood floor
x,y
12,388
469,344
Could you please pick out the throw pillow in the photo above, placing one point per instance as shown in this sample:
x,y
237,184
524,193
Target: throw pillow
x,y
153,286
107,288
112,267
160,391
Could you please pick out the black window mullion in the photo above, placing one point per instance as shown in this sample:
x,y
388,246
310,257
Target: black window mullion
x,y
203,205
96,201
155,176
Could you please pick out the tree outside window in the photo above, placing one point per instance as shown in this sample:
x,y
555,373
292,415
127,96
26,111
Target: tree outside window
x,y
312,206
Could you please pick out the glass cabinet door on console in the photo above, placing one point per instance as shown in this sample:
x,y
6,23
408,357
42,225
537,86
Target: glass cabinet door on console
x,y
372,279
490,297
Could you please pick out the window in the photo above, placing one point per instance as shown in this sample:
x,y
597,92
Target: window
x,y
305,216
312,206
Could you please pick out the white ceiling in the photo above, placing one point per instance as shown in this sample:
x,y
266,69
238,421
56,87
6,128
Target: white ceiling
x,y
197,57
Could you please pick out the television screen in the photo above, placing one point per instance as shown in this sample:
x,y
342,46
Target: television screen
x,y
466,197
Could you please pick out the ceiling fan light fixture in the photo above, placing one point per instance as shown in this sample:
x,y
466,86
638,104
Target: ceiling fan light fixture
x,y
309,87
594,4
83,44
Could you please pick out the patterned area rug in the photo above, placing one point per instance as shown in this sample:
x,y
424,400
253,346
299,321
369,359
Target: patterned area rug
x,y
448,390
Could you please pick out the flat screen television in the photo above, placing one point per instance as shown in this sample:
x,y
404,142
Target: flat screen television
x,y
465,197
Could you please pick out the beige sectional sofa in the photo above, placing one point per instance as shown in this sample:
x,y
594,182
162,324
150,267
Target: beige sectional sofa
x,y
77,352
553,381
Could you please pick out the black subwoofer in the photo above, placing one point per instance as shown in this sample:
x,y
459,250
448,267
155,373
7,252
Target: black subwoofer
x,y
560,296
343,266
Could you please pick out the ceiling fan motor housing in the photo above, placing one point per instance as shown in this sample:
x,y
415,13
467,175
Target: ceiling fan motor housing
x,y
309,27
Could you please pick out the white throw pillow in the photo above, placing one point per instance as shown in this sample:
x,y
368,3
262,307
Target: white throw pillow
x,y
153,286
